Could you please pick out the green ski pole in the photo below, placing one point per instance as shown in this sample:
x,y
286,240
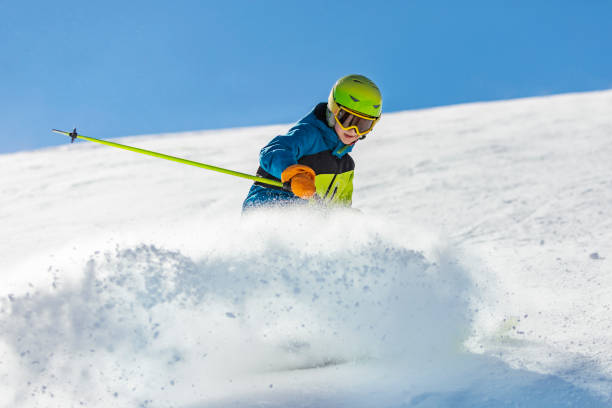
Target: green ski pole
x,y
75,135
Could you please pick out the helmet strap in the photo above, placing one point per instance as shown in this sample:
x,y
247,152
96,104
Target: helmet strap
x,y
331,121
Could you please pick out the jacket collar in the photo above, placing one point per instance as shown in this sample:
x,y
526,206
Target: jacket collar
x,y
317,118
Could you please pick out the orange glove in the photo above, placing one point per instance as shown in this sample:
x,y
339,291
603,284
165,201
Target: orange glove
x,y
301,179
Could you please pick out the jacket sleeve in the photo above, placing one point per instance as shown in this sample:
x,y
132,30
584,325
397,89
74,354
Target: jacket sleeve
x,y
285,150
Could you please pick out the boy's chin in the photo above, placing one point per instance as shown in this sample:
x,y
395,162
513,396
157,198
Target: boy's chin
x,y
349,141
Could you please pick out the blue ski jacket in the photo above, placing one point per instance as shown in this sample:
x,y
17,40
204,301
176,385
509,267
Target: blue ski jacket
x,y
313,143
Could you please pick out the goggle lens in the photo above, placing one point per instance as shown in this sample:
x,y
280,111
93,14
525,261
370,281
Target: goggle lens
x,y
348,120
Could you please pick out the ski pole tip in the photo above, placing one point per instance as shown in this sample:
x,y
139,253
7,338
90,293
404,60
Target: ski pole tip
x,y
73,135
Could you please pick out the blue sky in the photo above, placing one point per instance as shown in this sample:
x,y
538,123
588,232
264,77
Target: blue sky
x,y
139,67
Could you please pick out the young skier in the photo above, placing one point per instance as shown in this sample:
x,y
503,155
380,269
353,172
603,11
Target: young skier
x,y
312,159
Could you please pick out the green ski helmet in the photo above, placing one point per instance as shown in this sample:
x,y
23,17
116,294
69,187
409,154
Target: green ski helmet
x,y
356,93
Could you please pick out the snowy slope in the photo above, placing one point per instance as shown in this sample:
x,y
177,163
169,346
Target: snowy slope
x,y
478,274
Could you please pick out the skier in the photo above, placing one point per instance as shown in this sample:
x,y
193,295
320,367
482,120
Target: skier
x,y
312,159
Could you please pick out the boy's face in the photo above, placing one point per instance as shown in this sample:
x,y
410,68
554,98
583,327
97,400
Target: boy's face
x,y
347,137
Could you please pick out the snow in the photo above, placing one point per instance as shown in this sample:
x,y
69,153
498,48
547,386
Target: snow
x,y
478,273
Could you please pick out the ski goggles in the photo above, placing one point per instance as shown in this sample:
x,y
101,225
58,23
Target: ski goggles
x,y
348,120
